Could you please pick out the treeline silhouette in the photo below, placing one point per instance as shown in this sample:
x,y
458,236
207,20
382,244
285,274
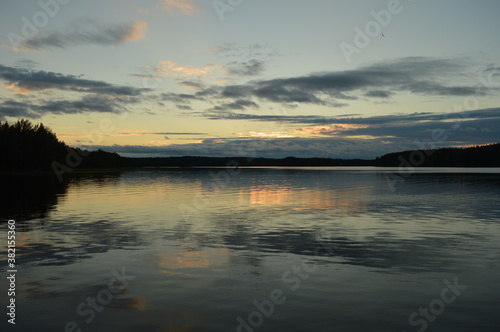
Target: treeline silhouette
x,y
24,146
28,147
190,161
477,156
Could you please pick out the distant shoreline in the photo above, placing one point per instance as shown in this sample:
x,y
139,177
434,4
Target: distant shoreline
x,y
80,171
35,149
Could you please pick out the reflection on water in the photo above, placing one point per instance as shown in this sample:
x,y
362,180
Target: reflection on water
x,y
347,252
30,196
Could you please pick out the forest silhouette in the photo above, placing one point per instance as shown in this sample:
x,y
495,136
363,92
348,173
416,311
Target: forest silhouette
x,y
26,147
475,156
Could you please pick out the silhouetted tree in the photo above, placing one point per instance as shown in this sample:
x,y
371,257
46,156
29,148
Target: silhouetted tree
x,y
27,147
476,156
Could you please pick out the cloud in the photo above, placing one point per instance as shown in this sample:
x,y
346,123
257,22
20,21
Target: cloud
x,y
247,52
96,96
244,60
23,81
413,75
182,134
87,32
191,84
235,91
184,107
460,128
239,104
187,7
137,133
170,68
16,109
179,97
334,146
146,75
378,94
27,63
394,119
35,108
383,80
340,137
92,103
269,148
250,68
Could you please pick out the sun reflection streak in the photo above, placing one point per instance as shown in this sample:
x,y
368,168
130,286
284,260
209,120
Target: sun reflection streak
x,y
344,199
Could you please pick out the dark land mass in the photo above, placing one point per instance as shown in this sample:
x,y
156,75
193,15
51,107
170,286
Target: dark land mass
x,y
477,156
190,161
28,148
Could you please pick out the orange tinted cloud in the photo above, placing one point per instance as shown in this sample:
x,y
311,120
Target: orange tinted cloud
x,y
184,6
16,89
329,130
137,31
83,32
172,69
270,135
221,81
111,135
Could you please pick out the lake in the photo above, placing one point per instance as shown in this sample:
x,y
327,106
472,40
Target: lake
x,y
256,249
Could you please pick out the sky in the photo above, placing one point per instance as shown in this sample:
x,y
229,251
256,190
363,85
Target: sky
x,y
265,78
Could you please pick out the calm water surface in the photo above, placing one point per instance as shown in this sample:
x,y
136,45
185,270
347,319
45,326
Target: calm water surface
x,y
262,249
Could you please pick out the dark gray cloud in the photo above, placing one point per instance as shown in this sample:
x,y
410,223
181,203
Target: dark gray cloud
x,y
239,104
397,132
37,80
251,68
179,97
381,121
212,91
462,127
191,84
278,92
343,137
416,75
184,107
234,91
92,103
98,96
235,147
146,75
88,32
35,108
17,109
245,60
378,94
336,146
